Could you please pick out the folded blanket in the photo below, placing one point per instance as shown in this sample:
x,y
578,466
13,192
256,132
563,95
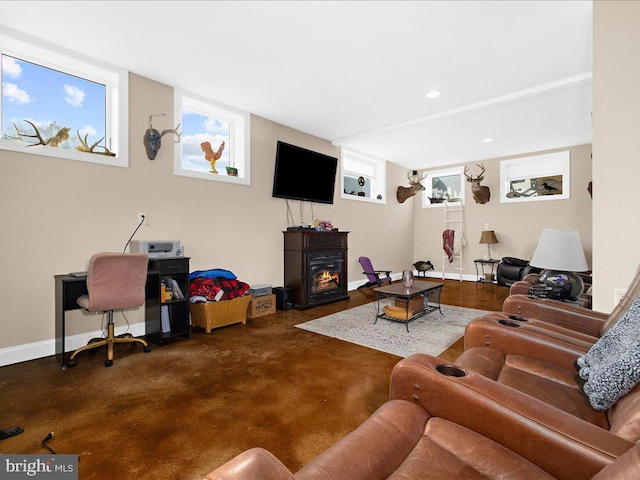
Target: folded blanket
x,y
213,273
611,367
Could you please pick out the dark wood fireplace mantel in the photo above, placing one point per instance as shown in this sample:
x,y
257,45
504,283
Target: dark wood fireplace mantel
x,y
315,267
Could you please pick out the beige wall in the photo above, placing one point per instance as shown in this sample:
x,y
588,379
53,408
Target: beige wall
x,y
517,225
57,213
616,143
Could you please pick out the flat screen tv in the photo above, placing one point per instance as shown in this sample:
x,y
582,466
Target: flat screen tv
x,y
302,174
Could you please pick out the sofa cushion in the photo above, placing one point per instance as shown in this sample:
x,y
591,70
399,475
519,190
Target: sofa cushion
x,y
551,384
448,450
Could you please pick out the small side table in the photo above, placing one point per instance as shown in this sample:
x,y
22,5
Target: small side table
x,y
481,273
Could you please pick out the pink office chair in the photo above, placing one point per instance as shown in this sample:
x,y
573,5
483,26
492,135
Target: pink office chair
x,y
114,281
375,277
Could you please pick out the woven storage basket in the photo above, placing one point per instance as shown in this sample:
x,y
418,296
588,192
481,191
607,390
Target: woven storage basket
x,y
218,314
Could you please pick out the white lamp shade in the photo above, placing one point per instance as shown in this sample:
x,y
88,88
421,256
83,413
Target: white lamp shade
x,y
560,250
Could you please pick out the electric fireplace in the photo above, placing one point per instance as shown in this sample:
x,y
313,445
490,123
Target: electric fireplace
x,y
315,267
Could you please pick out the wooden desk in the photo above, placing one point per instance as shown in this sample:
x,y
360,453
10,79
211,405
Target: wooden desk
x,y
69,288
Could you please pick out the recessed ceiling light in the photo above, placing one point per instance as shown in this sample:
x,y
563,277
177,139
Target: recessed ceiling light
x,y
487,140
433,94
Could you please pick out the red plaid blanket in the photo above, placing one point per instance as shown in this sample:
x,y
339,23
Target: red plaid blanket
x,y
209,287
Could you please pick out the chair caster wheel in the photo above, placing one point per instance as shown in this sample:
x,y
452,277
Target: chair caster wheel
x,y
71,363
108,363
147,349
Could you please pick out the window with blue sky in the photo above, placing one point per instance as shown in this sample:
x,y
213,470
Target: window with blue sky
x,y
206,143
50,100
77,105
215,143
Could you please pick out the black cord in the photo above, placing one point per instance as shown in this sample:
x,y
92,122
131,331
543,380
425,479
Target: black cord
x,y
134,232
45,440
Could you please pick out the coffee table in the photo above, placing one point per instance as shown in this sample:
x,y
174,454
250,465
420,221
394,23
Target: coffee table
x,y
426,290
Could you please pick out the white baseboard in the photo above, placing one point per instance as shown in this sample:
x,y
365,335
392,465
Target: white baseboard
x,y
46,348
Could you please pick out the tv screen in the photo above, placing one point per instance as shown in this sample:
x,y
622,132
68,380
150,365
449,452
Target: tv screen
x,y
301,174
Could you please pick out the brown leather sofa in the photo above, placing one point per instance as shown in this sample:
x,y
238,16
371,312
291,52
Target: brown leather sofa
x,y
537,356
442,422
537,321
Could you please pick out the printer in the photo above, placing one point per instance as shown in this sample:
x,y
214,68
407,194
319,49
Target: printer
x,y
157,248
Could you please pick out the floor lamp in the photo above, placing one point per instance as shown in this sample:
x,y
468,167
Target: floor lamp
x,y
560,254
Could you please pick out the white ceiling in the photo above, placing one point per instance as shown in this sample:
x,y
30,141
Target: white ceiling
x,y
356,73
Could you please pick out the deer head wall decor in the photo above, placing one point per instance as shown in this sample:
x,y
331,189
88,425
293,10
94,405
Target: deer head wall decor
x,y
414,180
152,137
481,193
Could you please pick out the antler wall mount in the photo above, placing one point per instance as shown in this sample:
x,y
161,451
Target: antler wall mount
x,y
153,138
403,193
481,193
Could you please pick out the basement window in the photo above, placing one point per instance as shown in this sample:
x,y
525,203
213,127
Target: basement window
x,y
443,186
60,104
215,143
364,178
536,178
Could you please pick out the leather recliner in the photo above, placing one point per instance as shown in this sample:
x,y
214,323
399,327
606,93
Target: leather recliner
x,y
574,318
538,358
511,270
442,422
527,325
531,280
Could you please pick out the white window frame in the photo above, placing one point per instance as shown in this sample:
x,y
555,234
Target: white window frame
x,y
428,185
545,165
115,79
378,179
240,136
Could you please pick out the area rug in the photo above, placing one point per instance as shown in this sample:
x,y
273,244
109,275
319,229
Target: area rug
x,y
431,334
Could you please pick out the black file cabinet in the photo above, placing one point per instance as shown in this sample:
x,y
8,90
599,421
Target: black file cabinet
x,y
177,309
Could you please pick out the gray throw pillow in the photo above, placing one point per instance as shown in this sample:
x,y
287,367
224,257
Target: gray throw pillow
x,y
611,367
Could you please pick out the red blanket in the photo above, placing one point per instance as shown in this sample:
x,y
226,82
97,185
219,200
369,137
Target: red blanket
x,y
209,287
447,243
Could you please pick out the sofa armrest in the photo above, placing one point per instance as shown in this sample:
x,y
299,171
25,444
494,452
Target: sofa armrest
x,y
520,287
564,314
527,338
253,464
540,433
531,277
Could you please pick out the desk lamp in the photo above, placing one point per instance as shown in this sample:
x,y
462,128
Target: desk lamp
x,y
488,237
560,254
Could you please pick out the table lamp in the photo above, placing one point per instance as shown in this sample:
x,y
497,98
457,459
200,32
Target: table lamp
x,y
488,237
560,254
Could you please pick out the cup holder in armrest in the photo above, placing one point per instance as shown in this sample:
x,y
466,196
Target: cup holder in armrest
x,y
518,318
507,323
451,370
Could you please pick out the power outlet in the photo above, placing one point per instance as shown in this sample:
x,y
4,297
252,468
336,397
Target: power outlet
x,y
142,218
618,294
